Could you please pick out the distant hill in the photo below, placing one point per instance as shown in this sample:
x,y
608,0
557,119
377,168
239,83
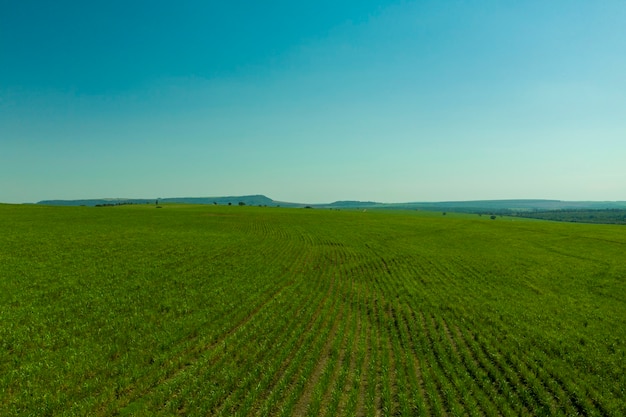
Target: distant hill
x,y
96,202
477,206
352,203
249,200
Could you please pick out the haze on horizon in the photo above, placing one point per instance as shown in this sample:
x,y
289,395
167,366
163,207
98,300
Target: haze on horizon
x,y
313,101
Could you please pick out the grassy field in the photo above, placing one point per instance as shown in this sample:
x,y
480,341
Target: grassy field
x,y
205,310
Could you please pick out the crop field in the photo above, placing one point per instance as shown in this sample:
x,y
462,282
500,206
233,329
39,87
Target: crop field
x,y
216,310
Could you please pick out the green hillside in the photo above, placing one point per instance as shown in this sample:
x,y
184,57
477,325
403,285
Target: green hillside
x,y
228,310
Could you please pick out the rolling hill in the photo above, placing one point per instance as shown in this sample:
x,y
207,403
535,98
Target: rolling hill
x,y
472,206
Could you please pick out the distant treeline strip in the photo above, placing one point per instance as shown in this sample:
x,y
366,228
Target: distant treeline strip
x,y
609,216
596,216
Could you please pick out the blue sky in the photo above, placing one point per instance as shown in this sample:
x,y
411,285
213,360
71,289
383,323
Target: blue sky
x,y
313,101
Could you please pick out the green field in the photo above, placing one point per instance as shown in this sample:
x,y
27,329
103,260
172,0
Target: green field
x,y
214,310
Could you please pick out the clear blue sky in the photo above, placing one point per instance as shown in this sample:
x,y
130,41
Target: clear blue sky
x,y
313,101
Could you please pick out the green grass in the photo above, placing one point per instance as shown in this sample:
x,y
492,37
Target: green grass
x,y
204,310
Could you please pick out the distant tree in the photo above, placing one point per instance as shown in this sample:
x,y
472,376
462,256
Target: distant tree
x,y
444,213
230,204
493,217
241,203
